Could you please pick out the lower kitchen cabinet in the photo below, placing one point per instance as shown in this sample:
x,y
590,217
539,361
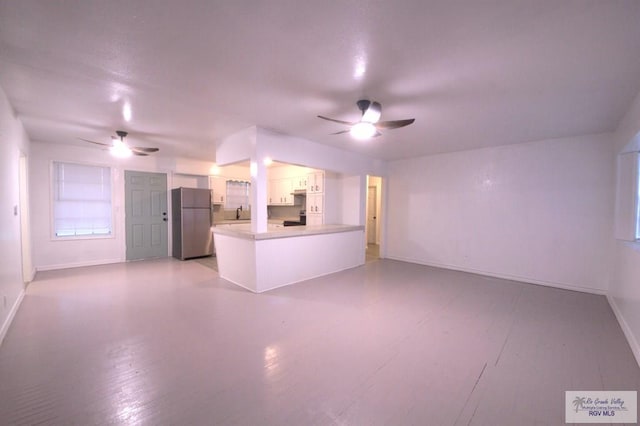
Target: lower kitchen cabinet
x,y
314,219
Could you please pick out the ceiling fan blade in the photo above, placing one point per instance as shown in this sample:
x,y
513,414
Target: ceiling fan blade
x,y
97,143
144,149
348,123
134,152
394,124
376,135
340,132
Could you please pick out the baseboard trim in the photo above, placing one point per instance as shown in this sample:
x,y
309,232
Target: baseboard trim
x,y
504,276
289,283
628,333
32,277
12,314
78,264
238,284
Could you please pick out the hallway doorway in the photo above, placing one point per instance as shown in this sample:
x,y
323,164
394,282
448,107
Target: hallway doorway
x,y
373,222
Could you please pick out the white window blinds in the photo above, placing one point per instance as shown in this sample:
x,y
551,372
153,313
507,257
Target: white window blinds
x,y
237,195
627,193
638,197
81,200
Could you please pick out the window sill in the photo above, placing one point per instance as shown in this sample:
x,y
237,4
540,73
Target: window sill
x,y
83,237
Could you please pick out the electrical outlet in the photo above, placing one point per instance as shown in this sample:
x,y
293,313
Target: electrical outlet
x,y
15,210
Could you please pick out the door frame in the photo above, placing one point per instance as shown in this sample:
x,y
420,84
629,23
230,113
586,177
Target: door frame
x,y
381,208
123,209
28,272
372,190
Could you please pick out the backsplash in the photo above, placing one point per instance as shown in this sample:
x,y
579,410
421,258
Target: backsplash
x,y
274,212
220,214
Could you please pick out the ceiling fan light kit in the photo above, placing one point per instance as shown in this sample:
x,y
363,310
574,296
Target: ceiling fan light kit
x,y
369,125
119,148
363,130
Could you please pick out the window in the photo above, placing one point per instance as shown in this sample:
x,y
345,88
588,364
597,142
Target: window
x,y
638,198
237,195
627,213
81,200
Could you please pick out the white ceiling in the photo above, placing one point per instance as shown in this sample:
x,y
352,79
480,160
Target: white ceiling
x,y
472,73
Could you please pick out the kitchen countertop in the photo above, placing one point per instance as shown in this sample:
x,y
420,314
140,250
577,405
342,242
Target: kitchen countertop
x,y
275,221
230,221
243,230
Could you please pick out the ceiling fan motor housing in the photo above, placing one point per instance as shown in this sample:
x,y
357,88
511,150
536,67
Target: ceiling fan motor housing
x,y
121,133
363,104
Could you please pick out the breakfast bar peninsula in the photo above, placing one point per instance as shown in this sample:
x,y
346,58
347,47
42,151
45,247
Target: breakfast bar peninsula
x,y
261,256
285,255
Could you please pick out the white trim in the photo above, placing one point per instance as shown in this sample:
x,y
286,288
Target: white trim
x,y
288,283
504,276
238,284
79,264
12,314
32,275
628,333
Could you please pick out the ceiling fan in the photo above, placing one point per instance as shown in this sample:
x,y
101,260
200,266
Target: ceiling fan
x,y
119,148
369,125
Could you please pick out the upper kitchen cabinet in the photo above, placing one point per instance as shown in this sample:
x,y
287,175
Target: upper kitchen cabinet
x,y
281,192
218,185
315,182
299,183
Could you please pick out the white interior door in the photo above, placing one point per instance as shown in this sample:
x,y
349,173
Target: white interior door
x,y
372,208
146,220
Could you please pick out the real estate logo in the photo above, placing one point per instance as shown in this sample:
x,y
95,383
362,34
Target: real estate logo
x,y
601,406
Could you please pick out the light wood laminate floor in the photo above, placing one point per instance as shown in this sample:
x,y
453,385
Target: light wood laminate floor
x,y
168,342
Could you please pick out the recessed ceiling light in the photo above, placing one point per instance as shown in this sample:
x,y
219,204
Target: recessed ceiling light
x,y
126,111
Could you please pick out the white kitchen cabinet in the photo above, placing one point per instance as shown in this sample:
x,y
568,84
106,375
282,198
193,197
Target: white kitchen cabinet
x,y
315,203
315,182
299,183
286,190
280,192
218,185
314,219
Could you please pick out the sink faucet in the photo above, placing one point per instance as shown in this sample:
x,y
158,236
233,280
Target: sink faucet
x,y
238,210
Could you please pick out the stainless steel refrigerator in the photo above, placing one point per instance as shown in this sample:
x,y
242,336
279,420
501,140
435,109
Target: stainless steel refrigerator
x,y
191,214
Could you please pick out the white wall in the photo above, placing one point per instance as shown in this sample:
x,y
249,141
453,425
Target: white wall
x,y
538,212
55,254
624,291
354,190
189,181
334,199
13,142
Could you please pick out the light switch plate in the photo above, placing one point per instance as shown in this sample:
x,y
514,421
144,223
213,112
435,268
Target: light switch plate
x,y
15,210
